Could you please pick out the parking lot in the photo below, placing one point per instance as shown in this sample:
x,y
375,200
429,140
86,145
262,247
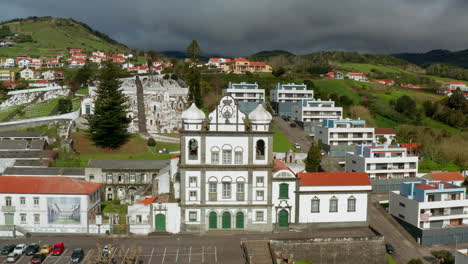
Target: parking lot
x,y
146,252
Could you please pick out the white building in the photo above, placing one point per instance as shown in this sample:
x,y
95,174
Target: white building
x,y
430,205
316,111
384,135
7,63
286,95
44,83
455,85
218,62
29,74
382,162
49,204
333,197
357,76
461,256
245,92
22,63
340,136
226,170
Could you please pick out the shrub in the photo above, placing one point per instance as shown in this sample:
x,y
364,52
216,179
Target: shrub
x,y
64,106
151,142
174,77
166,76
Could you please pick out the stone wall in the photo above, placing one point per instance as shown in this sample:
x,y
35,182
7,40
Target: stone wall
x,y
33,122
352,250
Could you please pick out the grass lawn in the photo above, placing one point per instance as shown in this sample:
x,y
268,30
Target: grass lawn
x,y
280,142
381,121
427,165
135,148
391,260
339,87
84,91
364,67
302,262
76,104
437,124
38,109
115,207
6,111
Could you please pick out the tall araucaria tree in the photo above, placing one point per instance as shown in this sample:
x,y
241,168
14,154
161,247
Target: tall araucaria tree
x,y
108,125
314,157
193,50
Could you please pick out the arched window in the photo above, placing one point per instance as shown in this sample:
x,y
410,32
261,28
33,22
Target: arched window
x,y
351,204
260,150
193,149
283,191
315,208
227,154
333,204
238,155
214,155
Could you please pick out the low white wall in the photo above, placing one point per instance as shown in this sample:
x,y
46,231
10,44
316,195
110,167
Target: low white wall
x,y
36,90
141,229
32,122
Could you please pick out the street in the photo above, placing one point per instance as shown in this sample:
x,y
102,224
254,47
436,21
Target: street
x,y
294,134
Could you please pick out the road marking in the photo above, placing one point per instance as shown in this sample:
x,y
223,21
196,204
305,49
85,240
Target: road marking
x,y
177,256
18,261
113,253
164,256
216,256
151,256
190,255
89,253
45,260
126,253
203,254
61,255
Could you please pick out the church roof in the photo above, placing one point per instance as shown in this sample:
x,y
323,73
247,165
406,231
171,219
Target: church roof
x,y
260,114
193,113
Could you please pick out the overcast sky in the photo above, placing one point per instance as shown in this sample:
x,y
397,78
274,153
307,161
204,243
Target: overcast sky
x,y
242,27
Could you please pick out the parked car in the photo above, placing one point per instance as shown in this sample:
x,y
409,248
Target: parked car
x,y
77,255
45,249
58,248
297,146
285,118
32,249
292,125
38,258
12,257
390,249
8,249
19,249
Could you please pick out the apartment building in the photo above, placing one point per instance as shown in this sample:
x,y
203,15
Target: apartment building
x,y
382,162
434,212
285,96
7,76
341,136
247,95
314,111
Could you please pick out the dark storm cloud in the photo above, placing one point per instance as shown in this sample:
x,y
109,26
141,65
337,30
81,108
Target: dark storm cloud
x,y
241,27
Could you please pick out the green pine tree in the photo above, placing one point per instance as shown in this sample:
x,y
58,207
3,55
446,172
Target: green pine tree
x,y
193,50
314,157
108,125
194,83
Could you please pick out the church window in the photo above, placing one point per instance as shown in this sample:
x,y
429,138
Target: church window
x,y
193,149
260,150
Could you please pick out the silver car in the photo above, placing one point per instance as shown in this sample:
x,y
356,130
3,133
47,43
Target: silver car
x,y
12,257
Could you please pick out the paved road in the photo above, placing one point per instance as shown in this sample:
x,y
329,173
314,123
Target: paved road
x,y
294,134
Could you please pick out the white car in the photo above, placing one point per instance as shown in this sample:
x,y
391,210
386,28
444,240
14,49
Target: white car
x,y
12,257
19,249
297,146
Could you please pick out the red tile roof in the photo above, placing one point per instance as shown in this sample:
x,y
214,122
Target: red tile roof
x,y
446,176
330,74
382,131
257,63
357,74
279,165
147,200
434,185
454,83
46,185
333,178
410,146
241,59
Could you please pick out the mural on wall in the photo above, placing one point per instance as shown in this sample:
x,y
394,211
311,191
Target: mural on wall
x,y
63,210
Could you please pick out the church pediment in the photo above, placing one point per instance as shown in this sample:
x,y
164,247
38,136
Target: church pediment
x,y
227,116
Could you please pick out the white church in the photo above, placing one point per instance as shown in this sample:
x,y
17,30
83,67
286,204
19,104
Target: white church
x,y
229,180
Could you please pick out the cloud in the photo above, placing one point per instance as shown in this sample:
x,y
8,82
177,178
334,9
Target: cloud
x,y
241,27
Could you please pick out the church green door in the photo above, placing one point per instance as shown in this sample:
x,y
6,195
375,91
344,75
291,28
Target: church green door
x,y
9,219
240,220
213,220
283,218
226,220
160,222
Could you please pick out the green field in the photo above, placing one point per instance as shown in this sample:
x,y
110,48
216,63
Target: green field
x,y
339,87
280,142
382,121
391,260
6,111
76,104
38,109
55,35
366,68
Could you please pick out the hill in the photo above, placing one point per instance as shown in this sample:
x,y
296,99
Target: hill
x,y
266,54
181,55
458,58
49,36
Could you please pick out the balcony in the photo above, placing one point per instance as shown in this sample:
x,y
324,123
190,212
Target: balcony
x,y
8,209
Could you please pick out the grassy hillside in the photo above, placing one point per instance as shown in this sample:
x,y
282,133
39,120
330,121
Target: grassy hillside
x,y
458,58
54,35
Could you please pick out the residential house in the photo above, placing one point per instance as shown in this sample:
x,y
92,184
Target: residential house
x,y
48,75
130,65
433,212
98,54
455,85
285,96
44,204
410,86
341,136
30,74
80,55
454,177
44,84
335,75
23,63
218,62
119,58
76,62
382,162
241,65
7,76
60,56
7,63
52,63
357,76
384,135
73,51
10,85
35,63
22,56
388,82
97,59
